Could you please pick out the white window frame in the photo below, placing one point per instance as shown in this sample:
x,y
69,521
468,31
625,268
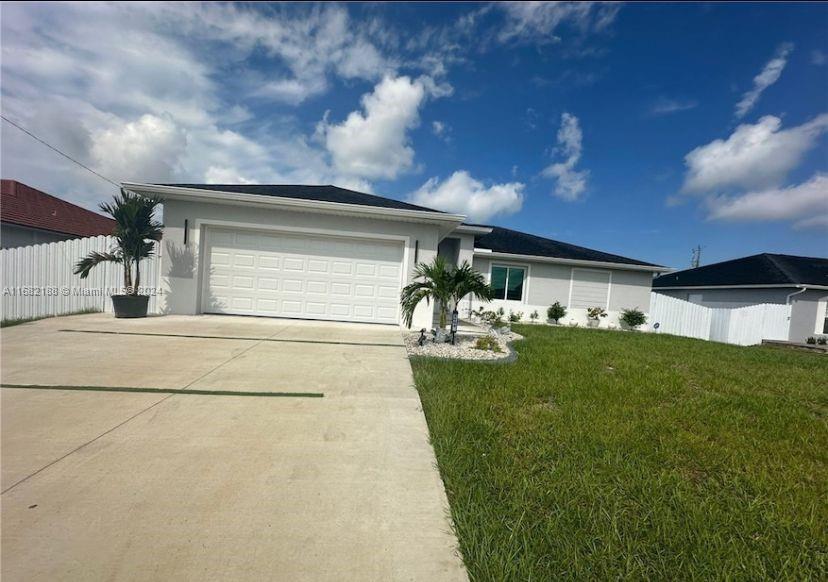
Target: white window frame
x,y
524,292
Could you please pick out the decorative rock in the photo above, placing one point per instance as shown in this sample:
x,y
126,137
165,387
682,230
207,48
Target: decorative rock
x,y
463,349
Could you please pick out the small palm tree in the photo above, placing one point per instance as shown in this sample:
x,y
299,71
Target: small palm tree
x,y
445,285
136,232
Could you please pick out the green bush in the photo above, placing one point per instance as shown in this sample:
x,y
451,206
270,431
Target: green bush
x,y
633,318
515,316
811,340
487,343
822,341
556,312
534,316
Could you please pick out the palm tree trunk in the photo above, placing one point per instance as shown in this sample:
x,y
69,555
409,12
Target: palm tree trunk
x,y
137,276
127,275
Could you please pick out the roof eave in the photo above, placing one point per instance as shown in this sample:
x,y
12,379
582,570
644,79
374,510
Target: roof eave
x,y
222,197
574,262
469,229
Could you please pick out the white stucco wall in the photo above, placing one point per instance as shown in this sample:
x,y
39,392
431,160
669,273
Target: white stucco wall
x,y
808,312
549,282
180,265
730,298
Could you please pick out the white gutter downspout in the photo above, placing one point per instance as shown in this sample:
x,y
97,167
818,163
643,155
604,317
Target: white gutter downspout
x,y
788,298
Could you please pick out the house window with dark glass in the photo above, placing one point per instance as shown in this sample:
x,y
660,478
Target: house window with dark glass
x,y
507,282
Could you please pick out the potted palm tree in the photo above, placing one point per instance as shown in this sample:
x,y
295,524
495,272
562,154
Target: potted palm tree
x,y
446,286
136,232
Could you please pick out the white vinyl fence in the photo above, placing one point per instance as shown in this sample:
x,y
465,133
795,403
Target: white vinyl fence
x,y
37,280
743,326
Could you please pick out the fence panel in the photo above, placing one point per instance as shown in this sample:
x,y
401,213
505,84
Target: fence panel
x,y
750,325
743,326
678,317
37,280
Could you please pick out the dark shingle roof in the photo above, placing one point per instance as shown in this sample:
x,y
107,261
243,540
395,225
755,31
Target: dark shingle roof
x,y
26,206
303,192
764,269
504,240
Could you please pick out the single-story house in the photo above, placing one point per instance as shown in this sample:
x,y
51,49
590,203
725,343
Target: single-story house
x,y
801,282
29,216
323,252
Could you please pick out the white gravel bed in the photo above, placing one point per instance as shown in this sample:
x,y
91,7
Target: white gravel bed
x,y
463,349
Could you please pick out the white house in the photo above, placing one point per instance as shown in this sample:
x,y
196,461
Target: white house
x,y
801,282
323,252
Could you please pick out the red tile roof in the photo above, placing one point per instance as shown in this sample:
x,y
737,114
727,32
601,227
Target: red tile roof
x,y
26,206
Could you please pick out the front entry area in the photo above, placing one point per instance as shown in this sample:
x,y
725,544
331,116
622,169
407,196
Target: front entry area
x,y
298,275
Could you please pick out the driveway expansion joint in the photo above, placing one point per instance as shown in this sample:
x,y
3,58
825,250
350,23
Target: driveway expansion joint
x,y
238,338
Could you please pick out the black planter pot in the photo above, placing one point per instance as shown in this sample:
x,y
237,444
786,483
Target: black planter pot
x,y
130,305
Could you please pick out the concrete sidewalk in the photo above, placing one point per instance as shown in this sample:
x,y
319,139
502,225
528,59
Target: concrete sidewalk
x,y
137,486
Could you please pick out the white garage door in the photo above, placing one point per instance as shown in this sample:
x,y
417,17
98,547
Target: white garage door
x,y
306,276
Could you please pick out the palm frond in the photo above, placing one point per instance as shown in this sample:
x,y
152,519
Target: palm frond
x,y
445,285
85,265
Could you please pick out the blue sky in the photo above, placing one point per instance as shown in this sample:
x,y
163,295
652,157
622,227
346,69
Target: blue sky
x,y
638,129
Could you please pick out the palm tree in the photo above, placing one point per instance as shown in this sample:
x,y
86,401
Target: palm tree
x,y
136,232
445,285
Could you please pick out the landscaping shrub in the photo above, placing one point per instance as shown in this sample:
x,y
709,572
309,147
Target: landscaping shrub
x,y
515,316
822,341
633,318
811,340
556,312
487,343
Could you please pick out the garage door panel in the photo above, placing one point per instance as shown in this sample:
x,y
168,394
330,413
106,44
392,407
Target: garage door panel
x,y
320,287
261,273
340,268
293,264
270,263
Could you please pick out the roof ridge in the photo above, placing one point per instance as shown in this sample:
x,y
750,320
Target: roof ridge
x,y
780,267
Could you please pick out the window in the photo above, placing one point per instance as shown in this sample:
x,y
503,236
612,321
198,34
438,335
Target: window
x,y
507,282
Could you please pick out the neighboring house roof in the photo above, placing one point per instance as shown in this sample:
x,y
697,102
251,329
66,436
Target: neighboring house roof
x,y
766,269
23,205
505,240
302,192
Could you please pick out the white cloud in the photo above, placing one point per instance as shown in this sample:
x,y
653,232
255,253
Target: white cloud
x,y
571,183
374,143
219,175
770,74
538,21
147,149
140,91
438,128
313,44
462,194
805,203
665,106
755,156
818,58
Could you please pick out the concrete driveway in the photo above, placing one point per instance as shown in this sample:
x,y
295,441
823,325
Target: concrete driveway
x,y
247,475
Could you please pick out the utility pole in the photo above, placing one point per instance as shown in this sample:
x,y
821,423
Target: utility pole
x,y
695,259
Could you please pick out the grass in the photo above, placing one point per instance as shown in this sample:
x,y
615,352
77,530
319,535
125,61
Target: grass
x,y
21,320
606,455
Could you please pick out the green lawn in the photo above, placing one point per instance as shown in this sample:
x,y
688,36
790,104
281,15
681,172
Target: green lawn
x,y
629,455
